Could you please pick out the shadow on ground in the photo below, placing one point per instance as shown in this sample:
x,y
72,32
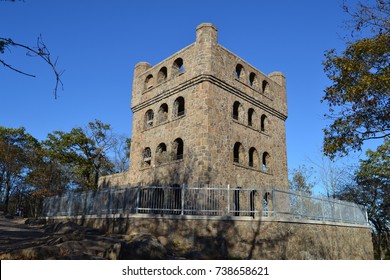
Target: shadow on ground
x,y
25,239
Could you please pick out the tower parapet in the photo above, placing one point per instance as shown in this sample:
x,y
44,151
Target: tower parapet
x,y
206,33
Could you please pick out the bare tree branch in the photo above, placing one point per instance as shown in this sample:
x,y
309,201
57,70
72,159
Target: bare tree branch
x,y
14,69
40,50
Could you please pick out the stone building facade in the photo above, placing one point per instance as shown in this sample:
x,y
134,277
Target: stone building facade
x,y
204,115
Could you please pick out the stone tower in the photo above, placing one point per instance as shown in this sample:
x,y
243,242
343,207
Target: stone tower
x,y
204,115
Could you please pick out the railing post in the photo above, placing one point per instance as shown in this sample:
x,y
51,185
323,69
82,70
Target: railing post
x,y
341,214
110,201
137,199
331,202
301,208
366,214
182,198
273,201
228,198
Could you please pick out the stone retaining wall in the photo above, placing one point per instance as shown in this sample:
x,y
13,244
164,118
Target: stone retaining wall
x,y
245,237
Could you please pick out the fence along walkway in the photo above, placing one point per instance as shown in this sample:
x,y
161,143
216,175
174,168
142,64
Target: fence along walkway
x,y
204,200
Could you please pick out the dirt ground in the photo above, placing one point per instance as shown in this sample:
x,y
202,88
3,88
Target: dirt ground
x,y
29,239
15,234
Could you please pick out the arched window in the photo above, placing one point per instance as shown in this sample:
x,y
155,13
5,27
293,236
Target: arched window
x,y
266,204
238,112
251,114
253,80
253,158
263,123
163,113
149,116
238,153
162,74
149,81
178,149
179,107
240,72
161,153
146,157
178,66
265,88
236,106
266,162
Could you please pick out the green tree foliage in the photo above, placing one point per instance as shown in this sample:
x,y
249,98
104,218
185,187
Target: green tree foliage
x,y
371,189
31,170
359,97
46,175
84,152
16,149
300,179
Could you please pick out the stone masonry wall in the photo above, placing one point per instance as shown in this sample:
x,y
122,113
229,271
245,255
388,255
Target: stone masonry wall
x,y
248,239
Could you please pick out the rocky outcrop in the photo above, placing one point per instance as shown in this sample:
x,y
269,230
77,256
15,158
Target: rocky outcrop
x,y
69,241
145,247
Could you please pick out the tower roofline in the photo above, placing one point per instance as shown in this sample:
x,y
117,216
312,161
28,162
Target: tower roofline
x,y
206,33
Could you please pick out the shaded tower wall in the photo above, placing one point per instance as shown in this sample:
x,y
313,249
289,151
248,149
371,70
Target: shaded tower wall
x,y
182,81
247,113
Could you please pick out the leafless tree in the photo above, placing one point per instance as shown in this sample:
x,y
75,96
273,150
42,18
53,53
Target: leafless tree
x,y
331,175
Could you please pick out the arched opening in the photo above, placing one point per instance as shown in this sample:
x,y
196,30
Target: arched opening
x,y
162,74
178,66
157,199
149,116
266,204
178,146
263,123
265,88
149,81
163,113
161,153
253,158
251,113
240,72
238,111
151,200
266,162
253,80
236,106
146,157
238,153
179,107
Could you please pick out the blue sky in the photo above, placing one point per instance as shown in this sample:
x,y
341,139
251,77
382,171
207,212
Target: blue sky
x,y
99,42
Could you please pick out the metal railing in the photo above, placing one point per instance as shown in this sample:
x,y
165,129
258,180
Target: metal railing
x,y
205,200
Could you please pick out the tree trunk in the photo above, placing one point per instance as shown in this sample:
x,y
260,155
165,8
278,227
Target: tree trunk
x,y
2,176
7,191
